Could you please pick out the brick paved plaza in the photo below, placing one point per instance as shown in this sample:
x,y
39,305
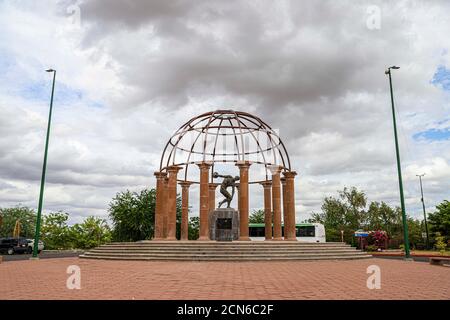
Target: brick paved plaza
x,y
46,279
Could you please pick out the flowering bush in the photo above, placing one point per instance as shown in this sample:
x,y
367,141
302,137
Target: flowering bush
x,y
377,238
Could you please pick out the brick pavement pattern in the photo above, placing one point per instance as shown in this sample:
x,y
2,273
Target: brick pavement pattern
x,y
101,279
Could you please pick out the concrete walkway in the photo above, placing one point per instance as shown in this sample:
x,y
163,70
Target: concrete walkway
x,y
46,279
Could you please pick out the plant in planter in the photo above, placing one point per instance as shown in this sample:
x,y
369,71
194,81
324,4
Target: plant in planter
x,y
378,239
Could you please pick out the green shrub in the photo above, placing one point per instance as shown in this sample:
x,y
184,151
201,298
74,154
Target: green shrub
x,y
440,243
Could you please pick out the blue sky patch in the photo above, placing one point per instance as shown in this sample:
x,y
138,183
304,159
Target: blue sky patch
x,y
42,91
433,134
442,78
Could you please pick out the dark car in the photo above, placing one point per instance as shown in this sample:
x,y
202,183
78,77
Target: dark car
x,y
13,245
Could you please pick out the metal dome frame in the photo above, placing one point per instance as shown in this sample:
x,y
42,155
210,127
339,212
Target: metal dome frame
x,y
210,124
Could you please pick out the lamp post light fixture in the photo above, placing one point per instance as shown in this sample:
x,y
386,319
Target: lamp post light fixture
x,y
399,170
424,212
44,167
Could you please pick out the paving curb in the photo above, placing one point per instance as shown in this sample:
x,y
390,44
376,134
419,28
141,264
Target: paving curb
x,y
412,255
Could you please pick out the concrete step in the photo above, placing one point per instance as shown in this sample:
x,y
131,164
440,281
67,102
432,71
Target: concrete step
x,y
237,254
225,251
219,254
222,247
225,243
228,258
220,251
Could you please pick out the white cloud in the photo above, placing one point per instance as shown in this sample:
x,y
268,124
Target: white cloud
x,y
129,76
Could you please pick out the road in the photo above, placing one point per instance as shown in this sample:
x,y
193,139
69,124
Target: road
x,y
43,255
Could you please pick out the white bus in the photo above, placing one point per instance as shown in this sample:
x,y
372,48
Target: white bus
x,y
305,232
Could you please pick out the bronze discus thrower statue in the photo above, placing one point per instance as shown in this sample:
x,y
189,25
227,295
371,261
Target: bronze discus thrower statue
x,y
228,181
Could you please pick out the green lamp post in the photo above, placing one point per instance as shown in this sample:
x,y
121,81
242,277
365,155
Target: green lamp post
x,y
424,212
44,167
399,169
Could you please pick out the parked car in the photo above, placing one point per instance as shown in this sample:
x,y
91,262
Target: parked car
x,y
13,245
31,245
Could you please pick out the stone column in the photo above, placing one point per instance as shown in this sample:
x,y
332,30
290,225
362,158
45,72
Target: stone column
x,y
276,199
283,194
185,209
212,196
289,232
238,195
172,203
204,201
243,200
165,207
159,215
267,185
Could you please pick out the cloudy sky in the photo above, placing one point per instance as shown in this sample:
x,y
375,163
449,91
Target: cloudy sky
x,y
129,73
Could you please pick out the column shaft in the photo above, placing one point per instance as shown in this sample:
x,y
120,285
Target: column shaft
x,y
285,217
204,201
184,210
243,200
159,215
267,209
290,206
172,203
165,207
212,196
276,198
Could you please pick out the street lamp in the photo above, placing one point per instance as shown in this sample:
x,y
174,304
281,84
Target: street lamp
x,y
399,170
44,167
424,212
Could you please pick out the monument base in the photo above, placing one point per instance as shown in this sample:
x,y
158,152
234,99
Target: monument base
x,y
224,224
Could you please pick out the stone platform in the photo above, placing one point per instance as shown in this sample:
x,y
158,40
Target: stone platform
x,y
224,251
224,224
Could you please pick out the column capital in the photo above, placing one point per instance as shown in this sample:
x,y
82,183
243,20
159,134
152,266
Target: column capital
x,y
289,174
283,181
243,164
174,169
185,184
160,175
275,169
204,165
266,184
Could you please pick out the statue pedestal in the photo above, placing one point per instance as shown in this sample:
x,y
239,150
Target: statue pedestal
x,y
224,224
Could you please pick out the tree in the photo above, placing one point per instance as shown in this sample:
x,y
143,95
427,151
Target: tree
x,y
380,216
133,215
91,233
440,243
257,216
194,227
439,220
9,216
415,229
55,232
343,213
